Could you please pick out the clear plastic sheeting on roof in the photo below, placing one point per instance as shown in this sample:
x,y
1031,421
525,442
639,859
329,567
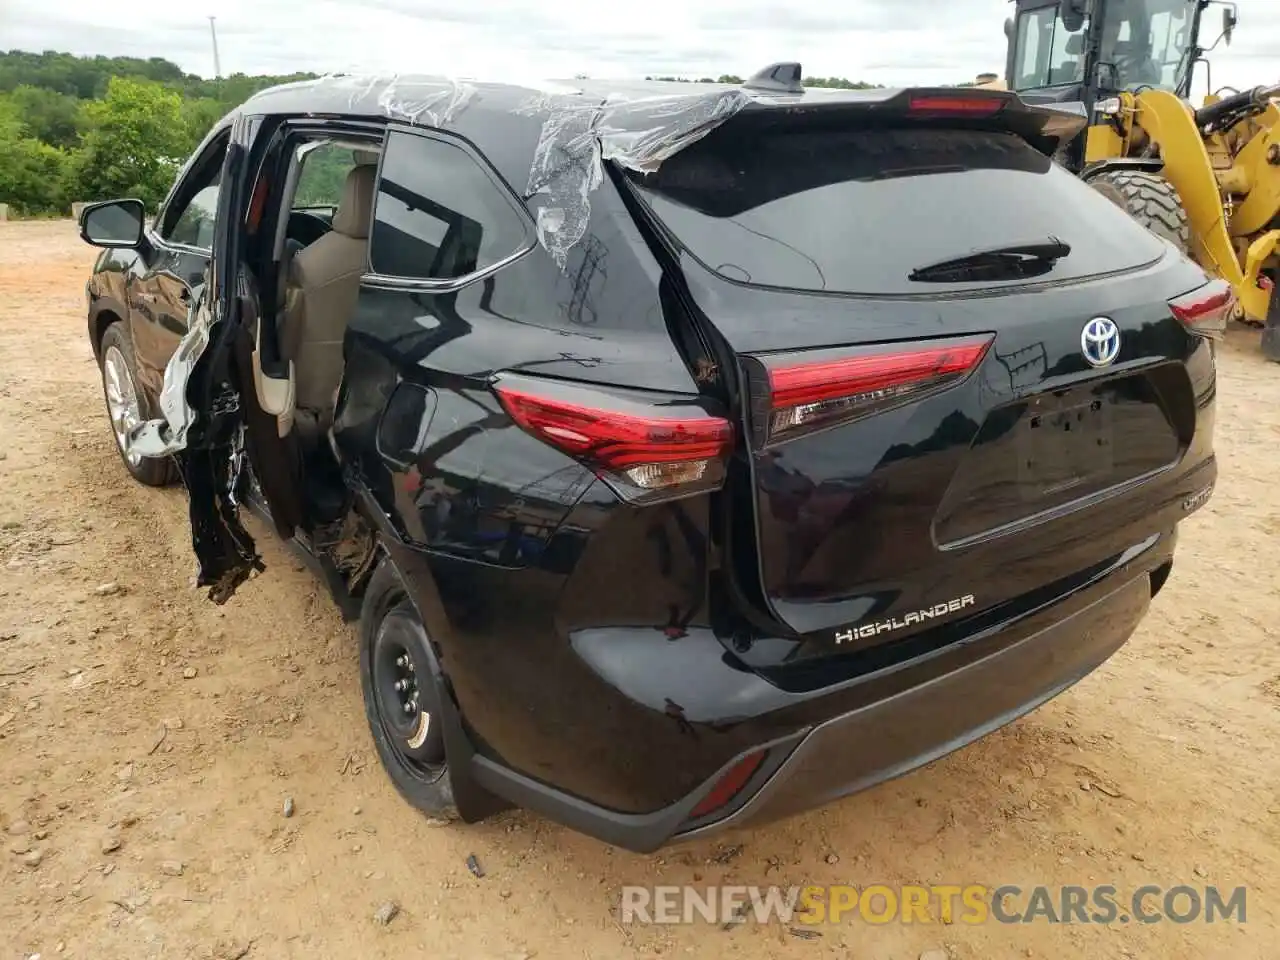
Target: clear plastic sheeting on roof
x,y
432,102
579,133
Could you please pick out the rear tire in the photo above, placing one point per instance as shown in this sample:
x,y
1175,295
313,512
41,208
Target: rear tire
x,y
127,405
1151,200
404,695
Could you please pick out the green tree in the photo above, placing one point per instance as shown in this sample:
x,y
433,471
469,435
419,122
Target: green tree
x,y
198,117
135,141
839,83
47,115
31,172
324,173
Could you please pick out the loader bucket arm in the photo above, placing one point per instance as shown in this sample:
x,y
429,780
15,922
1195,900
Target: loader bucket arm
x,y
1260,175
1171,125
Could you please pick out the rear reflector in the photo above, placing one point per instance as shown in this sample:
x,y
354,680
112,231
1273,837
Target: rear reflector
x,y
650,442
729,785
965,106
807,393
1205,311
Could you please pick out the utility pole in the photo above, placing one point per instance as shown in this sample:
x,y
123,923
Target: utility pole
x,y
213,32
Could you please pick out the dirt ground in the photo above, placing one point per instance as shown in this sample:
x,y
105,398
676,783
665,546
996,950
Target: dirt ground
x,y
149,740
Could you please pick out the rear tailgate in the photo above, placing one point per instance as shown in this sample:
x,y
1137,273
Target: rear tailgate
x,y
923,451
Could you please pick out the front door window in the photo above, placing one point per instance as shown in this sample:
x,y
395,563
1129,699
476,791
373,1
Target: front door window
x,y
189,216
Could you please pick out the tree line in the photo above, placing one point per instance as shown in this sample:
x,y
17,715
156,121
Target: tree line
x,y
837,83
89,128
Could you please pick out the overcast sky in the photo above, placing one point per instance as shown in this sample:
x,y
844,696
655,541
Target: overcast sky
x,y
510,39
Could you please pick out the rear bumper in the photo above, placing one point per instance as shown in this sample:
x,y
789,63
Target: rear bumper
x,y
961,696
935,718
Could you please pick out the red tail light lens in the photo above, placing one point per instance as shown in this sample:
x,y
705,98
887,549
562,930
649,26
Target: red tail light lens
x,y
1205,311
967,106
729,785
641,442
807,392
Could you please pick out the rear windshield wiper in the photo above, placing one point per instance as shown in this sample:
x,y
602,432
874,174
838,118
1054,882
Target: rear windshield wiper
x,y
1009,261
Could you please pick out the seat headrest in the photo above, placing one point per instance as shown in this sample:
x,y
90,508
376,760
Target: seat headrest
x,y
355,209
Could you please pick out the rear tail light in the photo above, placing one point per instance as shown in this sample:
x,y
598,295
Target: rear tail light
x,y
807,391
1205,311
644,445
943,105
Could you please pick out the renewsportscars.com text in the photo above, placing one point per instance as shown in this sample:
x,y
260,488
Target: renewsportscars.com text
x,y
969,904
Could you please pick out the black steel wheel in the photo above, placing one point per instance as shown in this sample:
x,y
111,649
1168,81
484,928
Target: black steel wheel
x,y
404,695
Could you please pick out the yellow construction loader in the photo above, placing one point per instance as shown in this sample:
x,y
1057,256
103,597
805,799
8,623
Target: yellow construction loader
x,y
1207,178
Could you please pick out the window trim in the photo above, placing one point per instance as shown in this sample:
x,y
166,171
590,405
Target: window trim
x,y
297,131
1025,14
383,281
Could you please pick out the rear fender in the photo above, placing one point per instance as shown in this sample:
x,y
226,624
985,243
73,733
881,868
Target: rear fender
x,y
473,801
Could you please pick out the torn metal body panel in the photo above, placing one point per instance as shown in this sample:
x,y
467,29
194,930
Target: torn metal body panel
x,y
204,392
167,436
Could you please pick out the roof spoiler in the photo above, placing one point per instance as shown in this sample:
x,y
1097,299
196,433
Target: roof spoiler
x,y
1045,126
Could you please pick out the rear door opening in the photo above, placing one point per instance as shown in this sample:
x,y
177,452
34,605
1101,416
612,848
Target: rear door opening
x,y
905,299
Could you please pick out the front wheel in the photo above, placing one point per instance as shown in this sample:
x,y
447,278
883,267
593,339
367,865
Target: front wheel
x,y
1151,200
126,406
404,695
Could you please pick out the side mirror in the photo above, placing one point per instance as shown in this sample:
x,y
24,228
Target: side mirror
x,y
1009,28
1106,76
1230,17
112,223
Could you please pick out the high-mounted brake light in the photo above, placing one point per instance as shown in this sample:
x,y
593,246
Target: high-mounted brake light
x,y
943,105
807,392
641,442
1206,310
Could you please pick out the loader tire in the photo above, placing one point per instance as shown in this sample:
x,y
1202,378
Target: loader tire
x,y
1151,200
1271,330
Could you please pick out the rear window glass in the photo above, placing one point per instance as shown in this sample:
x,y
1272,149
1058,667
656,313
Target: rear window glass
x,y
440,215
858,211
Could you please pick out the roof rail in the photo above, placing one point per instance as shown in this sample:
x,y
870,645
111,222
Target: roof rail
x,y
776,78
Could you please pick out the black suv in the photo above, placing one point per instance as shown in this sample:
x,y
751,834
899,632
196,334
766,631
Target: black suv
x,y
690,455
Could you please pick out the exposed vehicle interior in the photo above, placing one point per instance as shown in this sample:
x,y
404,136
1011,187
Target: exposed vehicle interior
x,y
308,240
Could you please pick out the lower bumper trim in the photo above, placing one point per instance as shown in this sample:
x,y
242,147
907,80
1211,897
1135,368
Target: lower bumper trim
x,y
894,736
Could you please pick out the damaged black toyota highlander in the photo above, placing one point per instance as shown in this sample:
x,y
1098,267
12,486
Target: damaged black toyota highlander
x,y
690,456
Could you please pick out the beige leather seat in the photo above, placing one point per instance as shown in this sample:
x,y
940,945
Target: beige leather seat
x,y
323,283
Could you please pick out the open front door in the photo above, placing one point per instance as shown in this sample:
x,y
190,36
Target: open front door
x,y
203,373
213,423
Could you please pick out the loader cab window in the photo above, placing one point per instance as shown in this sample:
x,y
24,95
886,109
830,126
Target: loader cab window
x,y
1047,54
1149,41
